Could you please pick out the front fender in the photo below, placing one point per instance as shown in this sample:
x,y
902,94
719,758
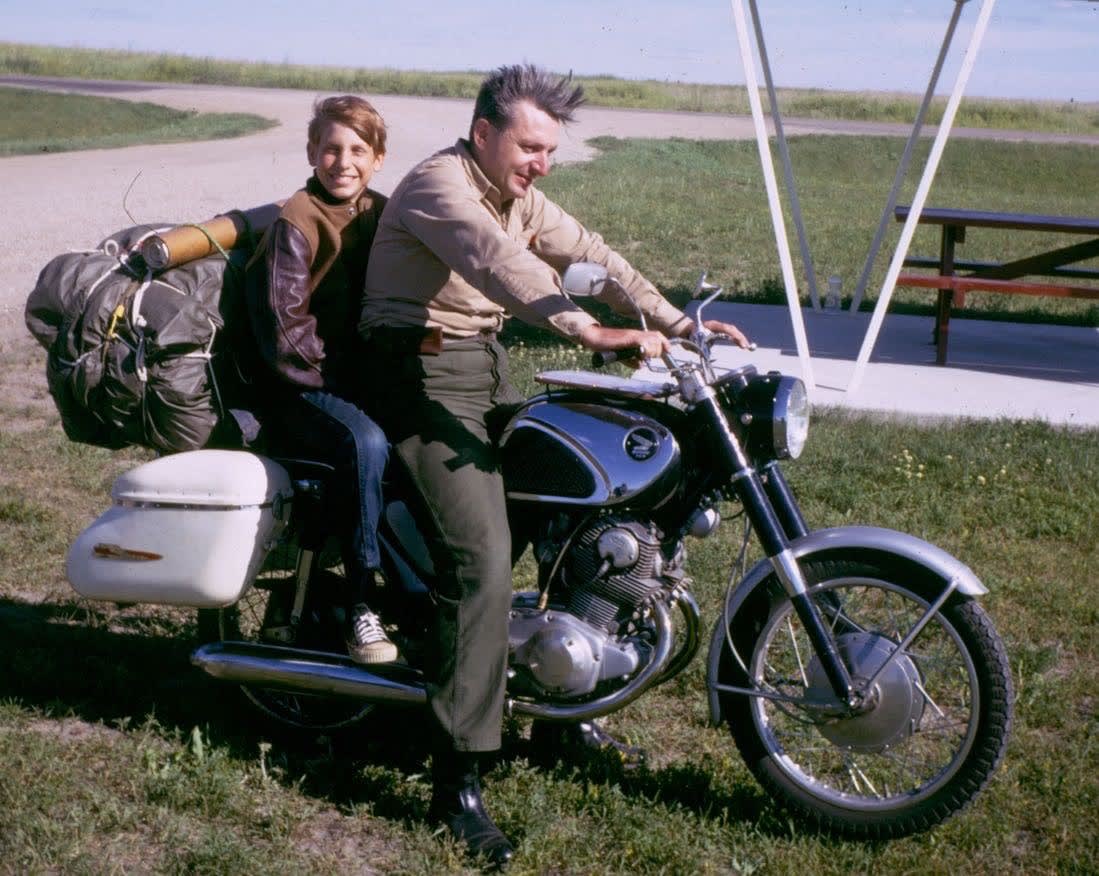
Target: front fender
x,y
868,539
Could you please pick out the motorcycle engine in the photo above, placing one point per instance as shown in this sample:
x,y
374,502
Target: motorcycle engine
x,y
613,566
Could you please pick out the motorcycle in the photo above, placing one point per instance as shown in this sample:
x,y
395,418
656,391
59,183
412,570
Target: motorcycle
x,y
863,685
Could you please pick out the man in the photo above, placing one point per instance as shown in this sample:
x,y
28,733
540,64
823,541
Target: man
x,y
466,240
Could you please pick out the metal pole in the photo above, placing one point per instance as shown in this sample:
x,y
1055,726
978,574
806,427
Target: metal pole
x,y
921,197
772,198
906,159
784,154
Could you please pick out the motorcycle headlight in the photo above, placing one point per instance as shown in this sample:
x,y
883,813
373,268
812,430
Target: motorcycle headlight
x,y
777,409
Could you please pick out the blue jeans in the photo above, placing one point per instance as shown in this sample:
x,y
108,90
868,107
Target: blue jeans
x,y
326,428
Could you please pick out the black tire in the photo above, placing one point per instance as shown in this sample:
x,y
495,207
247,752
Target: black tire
x,y
940,725
267,605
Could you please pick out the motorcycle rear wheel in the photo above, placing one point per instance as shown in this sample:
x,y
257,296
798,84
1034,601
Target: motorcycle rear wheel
x,y
268,603
941,715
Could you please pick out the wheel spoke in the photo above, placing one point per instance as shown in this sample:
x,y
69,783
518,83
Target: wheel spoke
x,y
946,727
833,605
929,700
797,652
858,777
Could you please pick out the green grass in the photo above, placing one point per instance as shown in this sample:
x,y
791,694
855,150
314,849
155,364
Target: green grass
x,y
30,60
40,121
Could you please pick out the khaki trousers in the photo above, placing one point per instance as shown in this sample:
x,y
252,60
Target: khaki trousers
x,y
438,412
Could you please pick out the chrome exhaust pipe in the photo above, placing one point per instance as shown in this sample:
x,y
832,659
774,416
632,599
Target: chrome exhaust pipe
x,y
322,673
315,672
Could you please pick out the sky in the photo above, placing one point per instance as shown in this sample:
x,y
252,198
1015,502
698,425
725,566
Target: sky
x,y
1034,49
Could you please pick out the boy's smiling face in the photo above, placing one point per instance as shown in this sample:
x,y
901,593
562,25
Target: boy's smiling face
x,y
342,161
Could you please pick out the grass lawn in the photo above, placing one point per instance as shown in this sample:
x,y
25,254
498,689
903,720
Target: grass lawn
x,y
42,121
118,757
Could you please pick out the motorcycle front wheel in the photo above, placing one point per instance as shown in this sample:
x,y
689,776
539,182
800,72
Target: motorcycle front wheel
x,y
938,716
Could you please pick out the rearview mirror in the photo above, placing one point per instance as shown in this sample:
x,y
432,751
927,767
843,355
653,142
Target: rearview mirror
x,y
584,279
702,287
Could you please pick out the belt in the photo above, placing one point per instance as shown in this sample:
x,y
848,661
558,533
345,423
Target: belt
x,y
423,341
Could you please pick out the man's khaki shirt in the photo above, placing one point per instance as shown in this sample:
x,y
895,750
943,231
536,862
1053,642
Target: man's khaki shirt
x,y
449,254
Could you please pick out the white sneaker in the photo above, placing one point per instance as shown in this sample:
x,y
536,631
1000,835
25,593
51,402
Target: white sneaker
x,y
366,640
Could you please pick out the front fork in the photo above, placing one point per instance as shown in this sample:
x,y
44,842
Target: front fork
x,y
770,506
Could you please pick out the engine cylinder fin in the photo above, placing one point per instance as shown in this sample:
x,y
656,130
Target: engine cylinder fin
x,y
608,599
594,609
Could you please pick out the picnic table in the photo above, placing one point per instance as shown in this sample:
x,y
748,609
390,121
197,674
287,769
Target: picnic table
x,y
1014,277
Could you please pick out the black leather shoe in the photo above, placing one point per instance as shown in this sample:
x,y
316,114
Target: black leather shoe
x,y
456,802
582,737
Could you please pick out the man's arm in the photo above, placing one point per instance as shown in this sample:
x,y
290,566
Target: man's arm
x,y
561,240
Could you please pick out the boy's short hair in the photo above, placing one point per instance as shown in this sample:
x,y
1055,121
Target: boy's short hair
x,y
355,112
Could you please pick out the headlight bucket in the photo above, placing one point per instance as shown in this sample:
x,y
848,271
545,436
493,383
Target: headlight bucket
x,y
778,421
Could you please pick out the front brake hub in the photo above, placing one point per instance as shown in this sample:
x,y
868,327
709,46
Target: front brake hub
x,y
890,711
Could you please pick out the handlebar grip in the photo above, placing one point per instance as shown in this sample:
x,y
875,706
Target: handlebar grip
x,y
605,357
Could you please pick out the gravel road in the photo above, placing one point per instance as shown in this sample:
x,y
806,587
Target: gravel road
x,y
57,202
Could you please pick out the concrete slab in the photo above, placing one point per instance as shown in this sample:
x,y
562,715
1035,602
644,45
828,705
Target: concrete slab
x,y
994,369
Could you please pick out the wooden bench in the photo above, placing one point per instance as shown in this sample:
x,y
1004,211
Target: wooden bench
x,y
1008,277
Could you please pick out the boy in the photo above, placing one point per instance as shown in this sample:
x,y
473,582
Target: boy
x,y
303,289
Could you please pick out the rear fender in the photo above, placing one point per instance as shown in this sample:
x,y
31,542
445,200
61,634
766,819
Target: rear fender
x,y
871,540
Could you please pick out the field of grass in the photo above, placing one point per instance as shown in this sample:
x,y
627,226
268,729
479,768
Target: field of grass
x,y
40,121
116,756
29,60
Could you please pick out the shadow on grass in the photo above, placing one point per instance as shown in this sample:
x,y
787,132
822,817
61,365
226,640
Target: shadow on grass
x,y
402,794
64,659
74,659
687,786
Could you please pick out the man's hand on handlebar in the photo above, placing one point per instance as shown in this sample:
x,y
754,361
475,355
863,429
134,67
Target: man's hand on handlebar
x,y
601,338
728,330
635,344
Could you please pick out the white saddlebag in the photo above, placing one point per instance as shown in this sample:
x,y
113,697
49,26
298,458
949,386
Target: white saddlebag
x,y
187,529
